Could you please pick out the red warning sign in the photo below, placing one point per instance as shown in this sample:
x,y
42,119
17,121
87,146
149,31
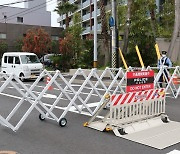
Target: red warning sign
x,y
140,81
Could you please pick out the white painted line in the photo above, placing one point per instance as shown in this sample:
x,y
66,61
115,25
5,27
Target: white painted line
x,y
10,95
58,107
49,96
89,105
174,152
82,112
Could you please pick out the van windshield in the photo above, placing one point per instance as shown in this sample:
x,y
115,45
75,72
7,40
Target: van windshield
x,y
29,59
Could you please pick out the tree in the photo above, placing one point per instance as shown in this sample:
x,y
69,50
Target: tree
x,y
104,32
65,8
66,50
152,10
3,47
37,41
165,18
85,59
126,32
75,30
176,30
140,34
18,44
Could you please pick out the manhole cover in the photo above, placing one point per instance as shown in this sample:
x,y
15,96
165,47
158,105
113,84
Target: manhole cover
x,y
8,152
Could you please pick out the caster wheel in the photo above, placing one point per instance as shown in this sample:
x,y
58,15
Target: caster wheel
x,y
41,117
122,132
62,122
165,119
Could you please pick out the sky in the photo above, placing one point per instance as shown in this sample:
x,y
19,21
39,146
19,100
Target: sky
x,y
50,7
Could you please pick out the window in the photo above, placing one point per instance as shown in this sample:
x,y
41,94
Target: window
x,y
5,59
17,61
10,59
20,19
29,59
2,36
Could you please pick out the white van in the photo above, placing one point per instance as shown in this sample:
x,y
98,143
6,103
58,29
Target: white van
x,y
23,64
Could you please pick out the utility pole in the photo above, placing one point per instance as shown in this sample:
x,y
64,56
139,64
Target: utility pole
x,y
114,34
95,34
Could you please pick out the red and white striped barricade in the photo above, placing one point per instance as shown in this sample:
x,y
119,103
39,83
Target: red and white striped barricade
x,y
142,108
135,106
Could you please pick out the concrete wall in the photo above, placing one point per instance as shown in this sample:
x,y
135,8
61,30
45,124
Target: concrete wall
x,y
164,45
16,31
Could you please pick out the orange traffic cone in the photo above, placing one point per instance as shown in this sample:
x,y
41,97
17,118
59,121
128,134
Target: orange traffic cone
x,y
47,81
175,79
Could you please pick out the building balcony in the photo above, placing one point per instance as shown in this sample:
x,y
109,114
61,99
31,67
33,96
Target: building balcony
x,y
86,17
87,3
89,31
98,13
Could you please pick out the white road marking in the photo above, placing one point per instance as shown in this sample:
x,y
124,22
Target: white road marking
x,y
174,152
82,112
89,105
49,96
58,107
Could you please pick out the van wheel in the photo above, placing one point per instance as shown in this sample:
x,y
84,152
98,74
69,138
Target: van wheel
x,y
4,77
21,77
42,79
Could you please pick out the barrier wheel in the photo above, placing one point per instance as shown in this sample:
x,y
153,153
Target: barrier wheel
x,y
122,131
41,117
42,79
165,119
62,122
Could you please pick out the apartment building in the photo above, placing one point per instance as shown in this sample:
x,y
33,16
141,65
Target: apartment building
x,y
86,10
15,21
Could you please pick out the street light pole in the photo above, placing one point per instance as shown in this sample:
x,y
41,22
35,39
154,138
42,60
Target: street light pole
x,y
95,34
113,60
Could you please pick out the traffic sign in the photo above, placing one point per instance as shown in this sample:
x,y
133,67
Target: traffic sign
x,y
140,81
111,22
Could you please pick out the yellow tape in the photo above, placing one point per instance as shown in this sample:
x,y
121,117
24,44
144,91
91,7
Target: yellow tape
x,y
123,60
157,51
139,55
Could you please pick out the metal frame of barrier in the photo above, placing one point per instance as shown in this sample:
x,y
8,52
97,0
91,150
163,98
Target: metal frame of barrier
x,y
170,86
26,96
36,100
77,93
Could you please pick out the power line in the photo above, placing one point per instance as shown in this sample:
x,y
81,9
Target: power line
x,y
26,11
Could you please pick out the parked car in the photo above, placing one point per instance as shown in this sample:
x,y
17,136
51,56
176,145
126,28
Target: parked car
x,y
46,60
23,64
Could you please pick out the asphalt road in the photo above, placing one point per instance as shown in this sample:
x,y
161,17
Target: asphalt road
x,y
47,137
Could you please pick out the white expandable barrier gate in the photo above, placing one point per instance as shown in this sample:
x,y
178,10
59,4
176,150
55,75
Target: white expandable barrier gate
x,y
67,90
26,96
127,109
171,87
78,97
